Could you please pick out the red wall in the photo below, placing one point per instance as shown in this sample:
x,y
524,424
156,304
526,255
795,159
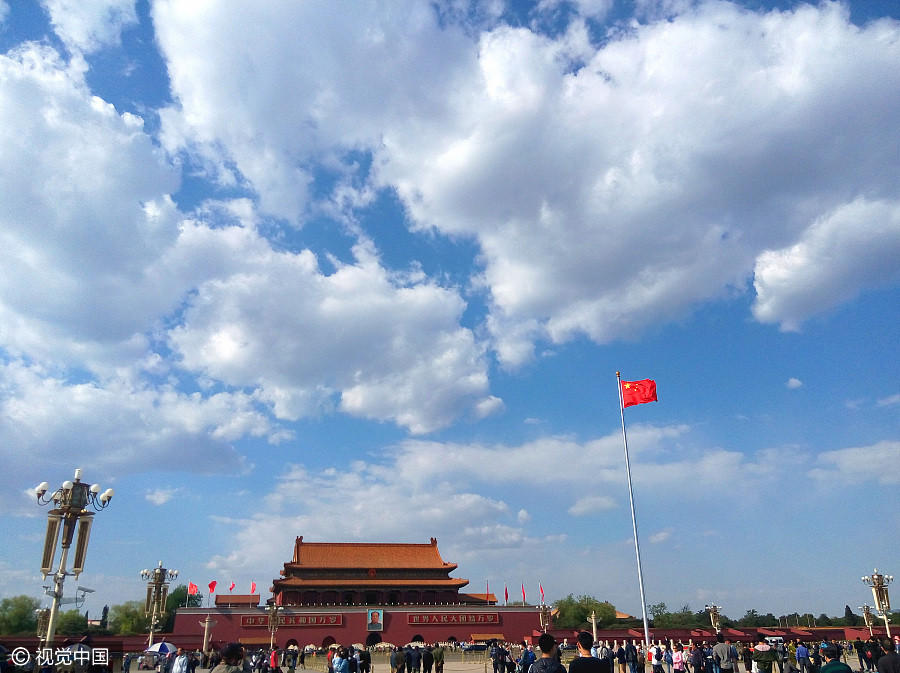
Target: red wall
x,y
514,623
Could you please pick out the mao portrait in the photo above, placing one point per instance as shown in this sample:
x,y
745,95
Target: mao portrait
x,y
376,620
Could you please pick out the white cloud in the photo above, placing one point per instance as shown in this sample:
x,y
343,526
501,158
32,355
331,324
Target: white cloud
x,y
456,488
660,536
592,504
160,496
4,11
89,26
889,401
860,464
853,248
793,383
389,350
90,230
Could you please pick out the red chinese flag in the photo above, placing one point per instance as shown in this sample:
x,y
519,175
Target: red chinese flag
x,y
231,587
638,392
523,592
542,592
252,587
505,594
192,589
212,587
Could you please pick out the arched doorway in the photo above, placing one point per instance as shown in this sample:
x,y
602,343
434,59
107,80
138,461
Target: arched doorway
x,y
417,638
373,639
328,641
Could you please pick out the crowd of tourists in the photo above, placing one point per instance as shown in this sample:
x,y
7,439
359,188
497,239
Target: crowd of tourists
x,y
721,656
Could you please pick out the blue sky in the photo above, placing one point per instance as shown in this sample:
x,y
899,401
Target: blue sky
x,y
367,273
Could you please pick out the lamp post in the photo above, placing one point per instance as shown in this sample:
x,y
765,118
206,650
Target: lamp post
x,y
713,611
274,611
867,617
70,511
157,591
879,583
545,613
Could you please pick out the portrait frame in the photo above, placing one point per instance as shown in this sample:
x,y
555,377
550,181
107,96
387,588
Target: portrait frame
x,y
375,619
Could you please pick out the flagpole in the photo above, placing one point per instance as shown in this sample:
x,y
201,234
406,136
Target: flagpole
x,y
637,546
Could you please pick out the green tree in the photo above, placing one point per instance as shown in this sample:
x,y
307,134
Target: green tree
x,y
850,619
17,615
657,609
71,623
128,618
179,598
575,613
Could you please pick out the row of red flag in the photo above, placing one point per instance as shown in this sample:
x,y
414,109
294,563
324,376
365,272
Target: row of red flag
x,y
193,589
487,591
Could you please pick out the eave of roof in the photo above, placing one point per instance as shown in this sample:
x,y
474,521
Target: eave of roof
x,y
442,583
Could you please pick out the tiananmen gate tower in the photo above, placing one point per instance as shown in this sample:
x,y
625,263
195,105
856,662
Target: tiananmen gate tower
x,y
365,593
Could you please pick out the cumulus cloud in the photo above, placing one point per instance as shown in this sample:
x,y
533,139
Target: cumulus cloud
x,y
890,400
90,230
472,492
860,464
89,26
669,166
855,247
160,496
793,383
592,504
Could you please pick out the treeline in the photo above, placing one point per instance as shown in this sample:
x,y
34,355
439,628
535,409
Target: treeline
x,y
17,616
574,612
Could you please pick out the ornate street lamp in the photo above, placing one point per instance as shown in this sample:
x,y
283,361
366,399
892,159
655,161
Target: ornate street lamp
x,y
713,611
70,501
867,617
157,591
879,583
274,612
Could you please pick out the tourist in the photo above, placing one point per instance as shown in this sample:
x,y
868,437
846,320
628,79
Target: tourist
x,y
365,660
803,662
697,658
526,659
339,662
180,665
832,656
667,657
231,659
678,659
549,659
620,658
584,662
415,660
889,661
437,653
398,661
631,657
722,654
763,655
656,658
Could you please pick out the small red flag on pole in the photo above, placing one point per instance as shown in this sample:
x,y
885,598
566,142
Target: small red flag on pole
x,y
212,587
231,587
542,592
505,594
523,593
252,587
192,589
